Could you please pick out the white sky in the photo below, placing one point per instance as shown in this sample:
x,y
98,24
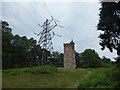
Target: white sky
x,y
78,19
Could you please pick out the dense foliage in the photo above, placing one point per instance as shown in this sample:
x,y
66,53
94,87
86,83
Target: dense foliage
x,y
23,52
109,24
57,59
90,59
18,51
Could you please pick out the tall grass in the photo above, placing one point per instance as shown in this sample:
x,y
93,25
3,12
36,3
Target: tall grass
x,y
102,78
34,70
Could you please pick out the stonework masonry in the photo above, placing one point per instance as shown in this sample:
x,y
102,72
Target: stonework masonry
x,y
69,55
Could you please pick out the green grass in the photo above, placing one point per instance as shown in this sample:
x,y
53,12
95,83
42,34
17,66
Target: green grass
x,y
38,78
51,77
102,78
0,78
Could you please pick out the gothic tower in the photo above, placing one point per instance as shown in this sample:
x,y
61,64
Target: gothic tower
x,y
69,55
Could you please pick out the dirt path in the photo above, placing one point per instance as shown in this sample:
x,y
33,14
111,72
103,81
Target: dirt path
x,y
77,82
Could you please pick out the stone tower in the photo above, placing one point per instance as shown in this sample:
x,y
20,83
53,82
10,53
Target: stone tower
x,y
69,55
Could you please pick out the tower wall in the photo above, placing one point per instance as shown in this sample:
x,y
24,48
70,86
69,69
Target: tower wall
x,y
69,55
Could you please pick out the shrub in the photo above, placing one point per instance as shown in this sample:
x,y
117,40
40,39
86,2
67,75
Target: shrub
x,y
34,70
102,78
41,69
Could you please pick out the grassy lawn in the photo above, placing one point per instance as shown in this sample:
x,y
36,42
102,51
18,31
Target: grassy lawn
x,y
63,78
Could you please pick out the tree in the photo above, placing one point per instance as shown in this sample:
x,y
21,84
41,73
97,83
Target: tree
x,y
106,62
89,59
18,51
109,24
78,60
6,45
22,55
57,59
36,53
5,27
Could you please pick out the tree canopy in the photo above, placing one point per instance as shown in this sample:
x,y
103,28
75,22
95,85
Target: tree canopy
x,y
89,58
109,24
18,51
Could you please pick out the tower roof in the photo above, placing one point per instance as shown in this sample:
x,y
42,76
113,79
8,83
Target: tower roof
x,y
72,41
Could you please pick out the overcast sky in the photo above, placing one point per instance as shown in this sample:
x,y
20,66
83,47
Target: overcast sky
x,y
79,20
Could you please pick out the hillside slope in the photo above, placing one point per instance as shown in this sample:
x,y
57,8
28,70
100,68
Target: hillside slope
x,y
62,78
